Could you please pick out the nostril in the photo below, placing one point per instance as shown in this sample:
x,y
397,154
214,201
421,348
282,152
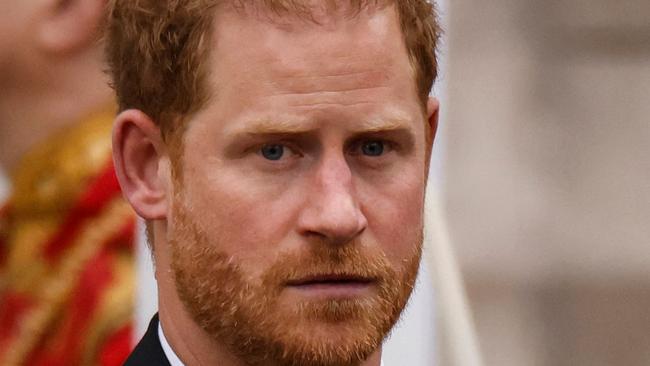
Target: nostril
x,y
332,213
334,235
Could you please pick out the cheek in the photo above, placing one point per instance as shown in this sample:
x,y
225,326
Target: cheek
x,y
246,218
395,214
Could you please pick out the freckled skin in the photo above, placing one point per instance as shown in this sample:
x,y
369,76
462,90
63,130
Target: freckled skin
x,y
321,93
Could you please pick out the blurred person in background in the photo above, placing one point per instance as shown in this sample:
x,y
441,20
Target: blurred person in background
x,y
66,235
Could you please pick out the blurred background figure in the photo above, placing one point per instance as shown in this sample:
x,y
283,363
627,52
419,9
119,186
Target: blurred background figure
x,y
66,236
547,177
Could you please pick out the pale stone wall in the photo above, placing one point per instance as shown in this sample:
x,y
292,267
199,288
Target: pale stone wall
x,y
548,177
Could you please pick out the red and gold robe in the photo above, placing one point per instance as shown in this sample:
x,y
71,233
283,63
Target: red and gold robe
x,y
66,254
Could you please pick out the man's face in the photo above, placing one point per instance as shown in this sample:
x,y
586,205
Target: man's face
x,y
296,224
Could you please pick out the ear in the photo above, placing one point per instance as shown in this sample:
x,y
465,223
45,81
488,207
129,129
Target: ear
x,y
70,25
433,109
142,164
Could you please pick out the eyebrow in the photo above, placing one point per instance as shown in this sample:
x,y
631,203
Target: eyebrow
x,y
387,125
285,127
274,127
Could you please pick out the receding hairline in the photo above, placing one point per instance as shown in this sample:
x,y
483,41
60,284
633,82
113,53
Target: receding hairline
x,y
304,9
289,14
187,65
286,18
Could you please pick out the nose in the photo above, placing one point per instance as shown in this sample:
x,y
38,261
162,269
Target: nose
x,y
332,211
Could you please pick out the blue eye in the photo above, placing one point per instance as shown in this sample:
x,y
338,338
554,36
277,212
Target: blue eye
x,y
272,152
373,148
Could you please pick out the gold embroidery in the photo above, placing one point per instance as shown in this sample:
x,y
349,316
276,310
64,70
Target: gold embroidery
x,y
58,289
48,180
115,309
51,176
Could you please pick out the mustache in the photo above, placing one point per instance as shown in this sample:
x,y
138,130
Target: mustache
x,y
347,263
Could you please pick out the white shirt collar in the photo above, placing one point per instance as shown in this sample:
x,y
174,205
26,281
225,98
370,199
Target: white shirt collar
x,y
171,355
169,352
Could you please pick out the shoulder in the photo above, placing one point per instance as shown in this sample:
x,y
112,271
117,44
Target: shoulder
x,y
148,352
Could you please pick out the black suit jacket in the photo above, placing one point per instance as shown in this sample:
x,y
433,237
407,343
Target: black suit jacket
x,y
148,352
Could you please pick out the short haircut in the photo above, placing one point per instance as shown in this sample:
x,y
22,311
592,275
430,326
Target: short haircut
x,y
157,50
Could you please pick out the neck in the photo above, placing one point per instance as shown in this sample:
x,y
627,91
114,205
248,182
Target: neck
x,y
49,96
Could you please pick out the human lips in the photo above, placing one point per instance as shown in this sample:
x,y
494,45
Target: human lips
x,y
332,285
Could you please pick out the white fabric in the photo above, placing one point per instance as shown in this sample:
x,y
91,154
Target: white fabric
x,y
169,352
413,340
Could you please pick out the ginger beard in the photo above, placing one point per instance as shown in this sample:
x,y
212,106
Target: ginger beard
x,y
247,317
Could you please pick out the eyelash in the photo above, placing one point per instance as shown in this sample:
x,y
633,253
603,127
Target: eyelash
x,y
257,149
353,149
389,146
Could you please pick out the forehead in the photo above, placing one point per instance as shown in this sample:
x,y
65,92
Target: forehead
x,y
367,44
